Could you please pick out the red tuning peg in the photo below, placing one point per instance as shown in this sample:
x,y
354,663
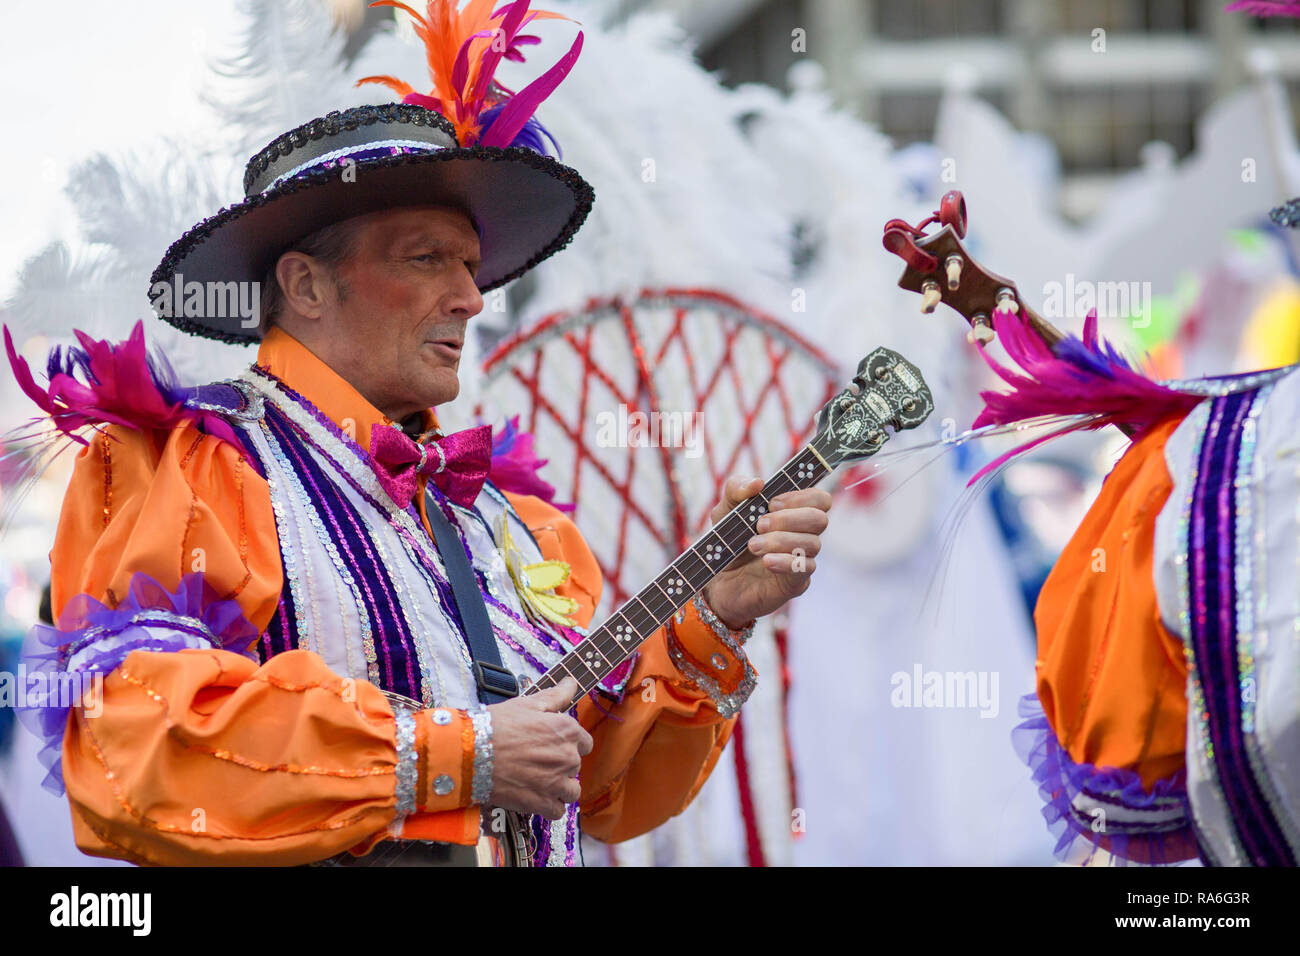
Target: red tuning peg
x,y
952,212
898,240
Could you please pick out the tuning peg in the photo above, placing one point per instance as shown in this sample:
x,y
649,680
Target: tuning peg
x,y
952,212
1006,301
930,295
981,330
953,266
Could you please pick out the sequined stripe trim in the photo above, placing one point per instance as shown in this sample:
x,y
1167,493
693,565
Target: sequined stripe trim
x,y
299,625
408,770
440,590
1245,485
1260,821
539,643
734,640
301,428
1198,422
106,456
522,641
1215,519
571,836
481,788
145,618
467,752
430,691
559,834
331,440
243,530
357,584
342,577
408,145
335,446
1204,560
728,705
372,576
542,830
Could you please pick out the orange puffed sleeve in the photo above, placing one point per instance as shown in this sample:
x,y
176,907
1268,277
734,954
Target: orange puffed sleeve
x,y
201,755
653,750
1111,678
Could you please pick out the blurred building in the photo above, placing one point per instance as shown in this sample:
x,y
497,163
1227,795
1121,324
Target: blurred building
x,y
1100,78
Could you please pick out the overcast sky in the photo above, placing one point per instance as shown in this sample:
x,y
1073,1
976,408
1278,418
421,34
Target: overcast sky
x,y
84,76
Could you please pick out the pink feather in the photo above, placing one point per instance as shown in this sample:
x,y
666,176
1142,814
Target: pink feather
x,y
122,386
1265,8
520,107
515,464
1075,377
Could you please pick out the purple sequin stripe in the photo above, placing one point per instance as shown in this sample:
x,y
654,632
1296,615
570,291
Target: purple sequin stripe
x,y
149,618
1212,590
570,835
420,547
1165,838
394,642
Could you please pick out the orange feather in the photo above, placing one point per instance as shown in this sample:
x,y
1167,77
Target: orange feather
x,y
444,29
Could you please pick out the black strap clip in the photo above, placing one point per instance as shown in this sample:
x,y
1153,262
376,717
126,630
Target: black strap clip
x,y
495,680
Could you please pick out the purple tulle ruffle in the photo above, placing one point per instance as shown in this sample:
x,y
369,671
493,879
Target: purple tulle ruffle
x,y
1142,827
61,663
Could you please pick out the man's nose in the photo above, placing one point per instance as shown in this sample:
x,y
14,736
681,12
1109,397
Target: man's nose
x,y
465,300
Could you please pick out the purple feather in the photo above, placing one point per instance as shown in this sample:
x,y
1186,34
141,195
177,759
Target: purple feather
x,y
533,135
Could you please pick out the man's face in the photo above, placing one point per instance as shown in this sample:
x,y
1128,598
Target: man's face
x,y
403,300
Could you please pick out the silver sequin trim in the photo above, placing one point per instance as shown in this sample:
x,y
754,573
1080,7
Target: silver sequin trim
x,y
408,770
733,639
728,705
481,788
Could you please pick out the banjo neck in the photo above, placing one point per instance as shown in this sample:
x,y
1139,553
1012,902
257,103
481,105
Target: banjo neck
x,y
888,391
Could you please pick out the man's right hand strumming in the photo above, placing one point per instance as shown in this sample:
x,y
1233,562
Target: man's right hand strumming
x,y
537,752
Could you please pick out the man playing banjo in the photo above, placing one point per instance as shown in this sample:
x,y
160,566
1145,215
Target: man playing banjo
x,y
285,579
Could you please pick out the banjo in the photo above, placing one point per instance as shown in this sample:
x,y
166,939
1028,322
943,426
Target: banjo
x,y
887,392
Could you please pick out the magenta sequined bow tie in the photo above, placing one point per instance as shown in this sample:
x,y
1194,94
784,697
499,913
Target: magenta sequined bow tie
x,y
456,463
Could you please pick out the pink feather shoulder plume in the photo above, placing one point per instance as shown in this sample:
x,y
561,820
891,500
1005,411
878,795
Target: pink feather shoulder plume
x,y
1085,378
101,383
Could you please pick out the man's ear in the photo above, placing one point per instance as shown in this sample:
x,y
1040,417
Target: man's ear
x,y
305,284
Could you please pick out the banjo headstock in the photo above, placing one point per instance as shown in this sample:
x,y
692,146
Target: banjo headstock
x,y
887,390
940,269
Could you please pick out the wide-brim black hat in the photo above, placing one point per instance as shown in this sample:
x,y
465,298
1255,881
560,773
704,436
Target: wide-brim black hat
x,y
525,205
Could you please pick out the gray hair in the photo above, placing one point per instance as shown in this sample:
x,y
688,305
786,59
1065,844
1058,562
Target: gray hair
x,y
331,245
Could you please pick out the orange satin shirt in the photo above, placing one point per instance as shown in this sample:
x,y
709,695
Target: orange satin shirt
x,y
1111,677
204,757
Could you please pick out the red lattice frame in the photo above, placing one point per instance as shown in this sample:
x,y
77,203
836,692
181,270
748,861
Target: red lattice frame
x,y
523,355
